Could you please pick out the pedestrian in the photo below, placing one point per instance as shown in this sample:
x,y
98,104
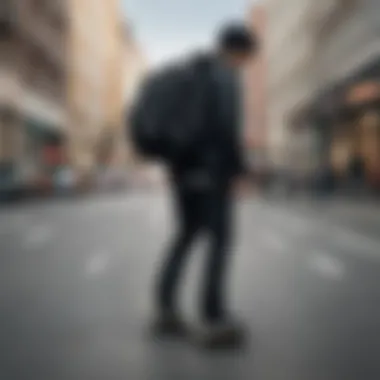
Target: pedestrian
x,y
202,190
202,184
356,175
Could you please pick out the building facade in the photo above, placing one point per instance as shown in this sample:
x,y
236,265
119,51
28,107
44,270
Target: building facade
x,y
349,122
290,64
256,94
32,90
348,34
95,49
313,48
135,69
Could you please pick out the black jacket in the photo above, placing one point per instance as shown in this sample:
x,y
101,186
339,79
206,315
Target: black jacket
x,y
220,158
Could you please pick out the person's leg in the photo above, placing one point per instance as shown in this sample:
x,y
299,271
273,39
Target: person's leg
x,y
219,225
188,221
221,331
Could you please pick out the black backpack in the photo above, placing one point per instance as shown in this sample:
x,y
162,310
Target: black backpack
x,y
168,121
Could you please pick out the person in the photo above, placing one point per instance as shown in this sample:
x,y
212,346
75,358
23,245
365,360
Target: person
x,y
356,173
202,189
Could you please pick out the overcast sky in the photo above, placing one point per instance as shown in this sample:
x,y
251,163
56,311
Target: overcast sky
x,y
167,28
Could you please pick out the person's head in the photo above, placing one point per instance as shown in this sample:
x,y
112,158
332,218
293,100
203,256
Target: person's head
x,y
237,44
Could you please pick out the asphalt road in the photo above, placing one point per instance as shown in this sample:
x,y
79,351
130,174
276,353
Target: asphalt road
x,y
76,280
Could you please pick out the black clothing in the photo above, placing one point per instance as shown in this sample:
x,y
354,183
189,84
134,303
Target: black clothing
x,y
202,189
199,211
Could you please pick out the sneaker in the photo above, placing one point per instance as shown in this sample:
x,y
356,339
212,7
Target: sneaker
x,y
169,325
224,335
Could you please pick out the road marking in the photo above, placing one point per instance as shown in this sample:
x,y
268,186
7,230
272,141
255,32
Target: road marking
x,y
37,236
327,266
97,264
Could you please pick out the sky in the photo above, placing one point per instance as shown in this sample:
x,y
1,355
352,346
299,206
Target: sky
x,y
169,28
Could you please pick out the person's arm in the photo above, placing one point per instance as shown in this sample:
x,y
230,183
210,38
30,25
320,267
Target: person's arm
x,y
230,115
238,155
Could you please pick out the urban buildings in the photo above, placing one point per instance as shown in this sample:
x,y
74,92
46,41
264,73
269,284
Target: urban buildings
x,y
346,108
62,88
135,67
320,54
256,89
32,86
95,85
290,76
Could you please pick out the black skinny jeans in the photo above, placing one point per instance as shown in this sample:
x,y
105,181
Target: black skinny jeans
x,y
199,211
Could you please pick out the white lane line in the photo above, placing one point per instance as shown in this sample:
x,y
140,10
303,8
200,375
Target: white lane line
x,y
97,264
37,236
327,266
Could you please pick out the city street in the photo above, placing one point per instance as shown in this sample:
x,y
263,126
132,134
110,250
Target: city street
x,y
76,280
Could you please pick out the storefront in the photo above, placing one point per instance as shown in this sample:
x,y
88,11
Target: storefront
x,y
30,152
363,102
347,118
44,151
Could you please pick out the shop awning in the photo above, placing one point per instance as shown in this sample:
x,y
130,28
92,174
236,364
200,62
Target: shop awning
x,y
360,89
363,92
